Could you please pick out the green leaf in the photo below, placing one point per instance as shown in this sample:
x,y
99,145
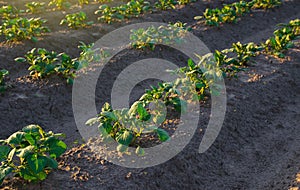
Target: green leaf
x,y
30,139
34,39
11,155
91,121
16,138
102,130
23,152
36,163
106,107
162,135
4,72
42,175
32,129
56,147
124,137
27,174
51,163
144,115
49,68
20,59
198,17
133,109
4,150
140,151
4,171
110,115
191,64
122,148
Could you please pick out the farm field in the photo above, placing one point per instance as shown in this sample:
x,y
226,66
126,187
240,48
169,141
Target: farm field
x,y
258,146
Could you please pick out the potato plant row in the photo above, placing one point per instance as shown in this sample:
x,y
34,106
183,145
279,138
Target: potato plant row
x,y
15,27
133,8
232,12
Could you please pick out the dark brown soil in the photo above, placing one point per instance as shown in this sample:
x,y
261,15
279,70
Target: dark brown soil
x,y
258,147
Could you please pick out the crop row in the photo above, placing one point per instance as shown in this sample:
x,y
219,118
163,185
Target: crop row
x,y
231,12
133,8
44,63
15,27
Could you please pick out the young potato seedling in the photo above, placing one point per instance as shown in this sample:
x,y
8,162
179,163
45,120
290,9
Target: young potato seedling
x,y
76,20
30,153
19,28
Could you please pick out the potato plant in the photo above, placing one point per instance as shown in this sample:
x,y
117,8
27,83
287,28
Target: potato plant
x,y
150,37
244,52
3,73
231,12
83,2
45,63
282,38
266,4
184,2
165,4
89,54
228,13
30,153
76,20
228,64
19,28
127,125
8,12
60,4
114,14
35,7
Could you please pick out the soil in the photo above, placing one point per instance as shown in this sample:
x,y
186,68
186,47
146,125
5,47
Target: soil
x,y
257,148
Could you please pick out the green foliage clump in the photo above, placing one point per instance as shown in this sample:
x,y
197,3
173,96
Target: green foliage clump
x,y
76,20
82,2
148,38
35,7
127,125
266,4
231,12
60,4
124,11
19,28
44,63
30,153
185,2
8,12
282,38
165,4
